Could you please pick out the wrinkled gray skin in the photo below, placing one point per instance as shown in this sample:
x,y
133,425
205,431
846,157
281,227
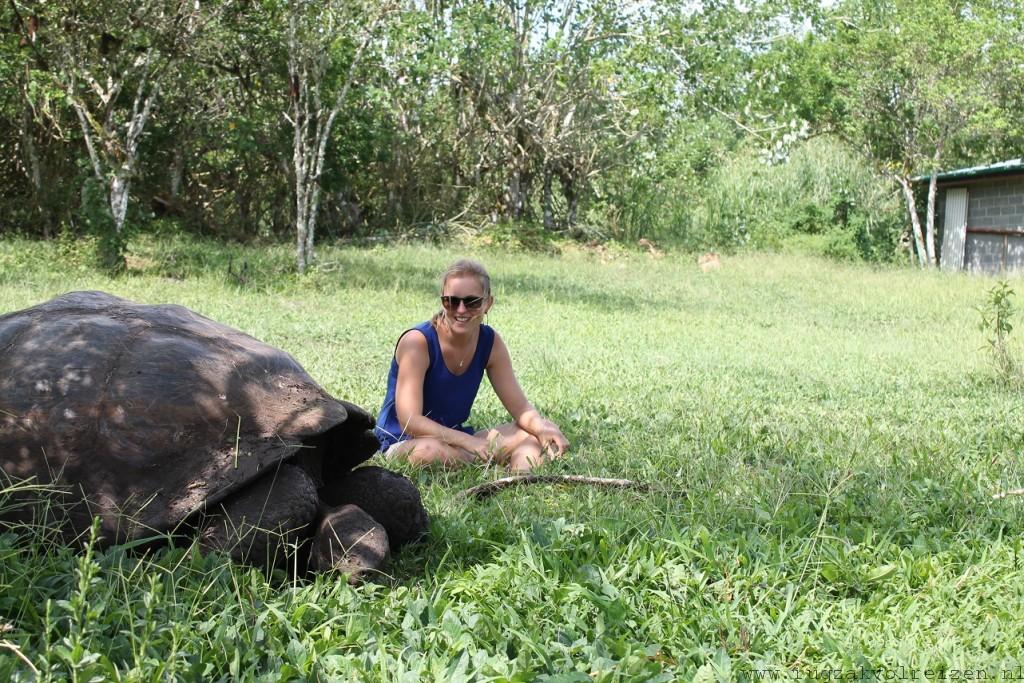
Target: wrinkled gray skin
x,y
351,541
155,419
400,511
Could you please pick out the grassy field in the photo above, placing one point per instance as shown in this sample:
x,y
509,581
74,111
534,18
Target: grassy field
x,y
823,442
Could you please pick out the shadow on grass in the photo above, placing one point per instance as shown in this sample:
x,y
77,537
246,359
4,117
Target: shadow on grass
x,y
424,280
273,269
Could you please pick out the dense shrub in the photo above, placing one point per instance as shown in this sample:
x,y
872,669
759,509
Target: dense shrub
x,y
821,198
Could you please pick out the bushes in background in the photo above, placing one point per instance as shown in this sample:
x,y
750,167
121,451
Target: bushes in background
x,y
821,199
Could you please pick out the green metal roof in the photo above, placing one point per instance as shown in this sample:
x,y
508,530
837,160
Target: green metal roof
x,y
1011,166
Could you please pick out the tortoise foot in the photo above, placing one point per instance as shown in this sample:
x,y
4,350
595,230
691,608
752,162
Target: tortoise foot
x,y
387,496
350,541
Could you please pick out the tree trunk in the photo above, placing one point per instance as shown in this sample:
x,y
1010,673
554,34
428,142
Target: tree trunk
x,y
120,184
929,236
300,248
90,147
301,198
31,156
177,173
115,159
514,193
301,257
525,192
915,220
930,212
571,199
314,211
311,122
549,212
308,170
300,143
33,168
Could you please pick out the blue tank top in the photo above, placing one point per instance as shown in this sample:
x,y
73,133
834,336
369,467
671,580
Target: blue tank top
x,y
447,398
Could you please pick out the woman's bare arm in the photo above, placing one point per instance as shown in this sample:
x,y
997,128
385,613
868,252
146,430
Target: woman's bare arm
x,y
511,395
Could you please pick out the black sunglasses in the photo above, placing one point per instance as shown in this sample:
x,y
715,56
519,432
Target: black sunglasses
x,y
470,302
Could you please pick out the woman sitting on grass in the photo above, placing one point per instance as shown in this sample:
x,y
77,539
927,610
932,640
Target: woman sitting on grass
x,y
434,378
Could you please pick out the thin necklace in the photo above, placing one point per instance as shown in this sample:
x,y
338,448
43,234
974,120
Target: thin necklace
x,y
471,351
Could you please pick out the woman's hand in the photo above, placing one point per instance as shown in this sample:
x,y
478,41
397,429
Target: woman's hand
x,y
551,439
483,449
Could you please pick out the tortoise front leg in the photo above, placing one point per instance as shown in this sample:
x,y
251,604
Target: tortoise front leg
x,y
263,523
389,497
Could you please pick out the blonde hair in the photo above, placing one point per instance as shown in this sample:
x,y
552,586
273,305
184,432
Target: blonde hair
x,y
459,268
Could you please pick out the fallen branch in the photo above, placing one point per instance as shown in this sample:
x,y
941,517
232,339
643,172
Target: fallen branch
x,y
1007,494
8,645
484,490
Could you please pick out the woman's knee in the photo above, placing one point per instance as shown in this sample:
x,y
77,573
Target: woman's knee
x,y
424,452
527,455
525,460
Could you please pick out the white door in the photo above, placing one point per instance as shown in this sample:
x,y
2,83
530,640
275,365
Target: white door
x,y
954,229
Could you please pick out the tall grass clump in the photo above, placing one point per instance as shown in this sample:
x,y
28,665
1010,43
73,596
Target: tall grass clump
x,y
653,197
821,199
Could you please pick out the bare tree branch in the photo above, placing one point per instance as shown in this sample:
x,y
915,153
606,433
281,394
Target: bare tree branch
x,y
490,488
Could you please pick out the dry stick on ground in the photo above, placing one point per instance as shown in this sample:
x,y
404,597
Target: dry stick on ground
x,y
1007,494
8,645
484,490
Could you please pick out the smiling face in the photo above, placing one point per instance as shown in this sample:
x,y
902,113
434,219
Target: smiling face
x,y
465,302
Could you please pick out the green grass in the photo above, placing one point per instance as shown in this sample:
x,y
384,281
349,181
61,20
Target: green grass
x,y
823,442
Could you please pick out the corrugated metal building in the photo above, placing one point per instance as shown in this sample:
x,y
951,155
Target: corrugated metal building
x,y
980,218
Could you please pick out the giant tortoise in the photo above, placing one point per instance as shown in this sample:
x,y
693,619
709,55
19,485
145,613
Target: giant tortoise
x,y
155,420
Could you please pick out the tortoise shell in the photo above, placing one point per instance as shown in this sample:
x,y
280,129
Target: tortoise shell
x,y
142,415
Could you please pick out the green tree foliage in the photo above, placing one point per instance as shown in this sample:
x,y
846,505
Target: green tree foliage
x,y
680,122
535,99
914,86
217,146
326,44
111,60
34,166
